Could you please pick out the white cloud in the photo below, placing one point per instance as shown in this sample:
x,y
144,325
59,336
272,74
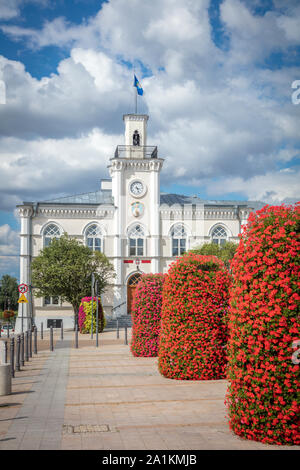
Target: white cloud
x,y
291,25
29,168
272,187
9,251
11,8
254,37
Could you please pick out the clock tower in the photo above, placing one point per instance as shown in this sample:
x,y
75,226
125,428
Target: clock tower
x,y
135,172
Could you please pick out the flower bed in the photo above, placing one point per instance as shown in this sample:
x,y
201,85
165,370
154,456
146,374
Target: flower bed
x,y
85,315
146,315
264,321
193,329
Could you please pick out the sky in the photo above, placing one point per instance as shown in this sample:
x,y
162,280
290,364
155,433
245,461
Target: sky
x,y
218,79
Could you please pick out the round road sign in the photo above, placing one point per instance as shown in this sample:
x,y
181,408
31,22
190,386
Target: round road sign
x,y
23,288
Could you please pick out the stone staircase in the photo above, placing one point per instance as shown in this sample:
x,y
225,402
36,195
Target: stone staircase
x,y
111,324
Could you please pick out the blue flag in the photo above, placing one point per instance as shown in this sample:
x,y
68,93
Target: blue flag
x,y
138,86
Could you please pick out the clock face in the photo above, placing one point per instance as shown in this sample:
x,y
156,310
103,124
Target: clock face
x,y
136,188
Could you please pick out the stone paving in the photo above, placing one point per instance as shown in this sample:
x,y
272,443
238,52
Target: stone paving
x,y
104,398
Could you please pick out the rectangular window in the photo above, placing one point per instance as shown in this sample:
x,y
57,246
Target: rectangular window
x,y
136,247
132,250
97,244
182,246
140,246
47,241
54,300
175,247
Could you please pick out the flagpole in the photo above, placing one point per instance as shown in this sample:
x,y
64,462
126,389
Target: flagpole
x,y
136,93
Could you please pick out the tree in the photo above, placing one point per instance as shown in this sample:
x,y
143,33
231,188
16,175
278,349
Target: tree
x,y
65,268
8,292
224,252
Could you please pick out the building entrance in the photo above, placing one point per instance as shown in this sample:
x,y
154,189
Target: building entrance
x,y
131,286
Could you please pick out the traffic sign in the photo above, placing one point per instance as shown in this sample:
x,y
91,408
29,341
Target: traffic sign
x,y
22,300
23,288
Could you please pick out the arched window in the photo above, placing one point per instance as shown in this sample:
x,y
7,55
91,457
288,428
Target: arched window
x,y
50,232
219,235
136,241
93,237
178,235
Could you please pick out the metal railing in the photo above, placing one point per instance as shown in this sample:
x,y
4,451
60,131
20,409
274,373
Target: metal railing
x,y
135,151
120,305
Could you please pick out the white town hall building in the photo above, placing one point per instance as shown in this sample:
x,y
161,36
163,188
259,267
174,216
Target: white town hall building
x,y
140,229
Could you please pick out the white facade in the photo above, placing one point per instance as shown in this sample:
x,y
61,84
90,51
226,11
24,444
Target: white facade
x,y
138,228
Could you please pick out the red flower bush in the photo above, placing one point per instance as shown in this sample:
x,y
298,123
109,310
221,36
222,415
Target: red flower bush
x,y
264,322
146,315
193,330
85,315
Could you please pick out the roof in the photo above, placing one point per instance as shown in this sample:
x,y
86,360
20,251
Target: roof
x,y
104,196
171,199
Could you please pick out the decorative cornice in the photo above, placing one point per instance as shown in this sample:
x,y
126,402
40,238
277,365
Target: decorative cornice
x,y
135,117
199,214
25,211
142,164
75,212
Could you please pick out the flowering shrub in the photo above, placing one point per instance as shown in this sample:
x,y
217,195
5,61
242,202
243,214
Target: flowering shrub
x,y
193,330
263,322
146,315
85,315
8,314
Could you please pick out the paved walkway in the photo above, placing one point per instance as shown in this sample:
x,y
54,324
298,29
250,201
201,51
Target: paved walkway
x,y
104,398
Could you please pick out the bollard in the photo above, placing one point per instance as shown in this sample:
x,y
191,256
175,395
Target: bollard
x,y
126,342
3,352
5,379
18,353
118,332
42,331
76,336
26,346
30,342
92,317
97,323
12,356
0,330
7,331
51,338
22,350
35,340
62,330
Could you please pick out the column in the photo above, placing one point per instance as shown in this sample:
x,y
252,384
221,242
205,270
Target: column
x,y
155,216
117,189
25,213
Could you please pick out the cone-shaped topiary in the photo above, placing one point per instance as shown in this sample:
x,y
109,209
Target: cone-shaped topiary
x,y
264,321
146,315
193,330
85,315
